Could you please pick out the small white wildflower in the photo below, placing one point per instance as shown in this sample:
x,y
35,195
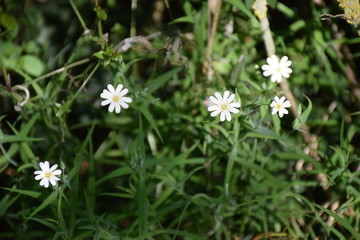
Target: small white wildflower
x,y
47,174
229,28
279,106
277,69
115,97
223,105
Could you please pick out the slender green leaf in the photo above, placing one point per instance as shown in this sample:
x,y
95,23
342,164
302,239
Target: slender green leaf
x,y
50,199
302,118
156,83
32,194
145,111
341,221
12,138
116,173
242,7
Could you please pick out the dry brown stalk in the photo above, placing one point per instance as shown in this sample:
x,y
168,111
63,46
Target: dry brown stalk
x,y
214,10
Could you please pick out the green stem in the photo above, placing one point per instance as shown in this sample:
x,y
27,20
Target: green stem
x,y
58,71
78,15
101,35
133,18
85,82
7,79
60,216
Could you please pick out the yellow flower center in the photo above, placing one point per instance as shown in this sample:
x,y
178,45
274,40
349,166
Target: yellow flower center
x,y
277,69
48,175
278,106
224,107
115,98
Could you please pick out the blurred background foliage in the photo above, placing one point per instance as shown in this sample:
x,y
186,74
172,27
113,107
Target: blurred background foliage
x,y
164,169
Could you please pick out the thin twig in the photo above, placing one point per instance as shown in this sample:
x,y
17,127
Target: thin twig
x,y
58,71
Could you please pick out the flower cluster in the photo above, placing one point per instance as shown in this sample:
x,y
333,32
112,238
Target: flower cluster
x,y
277,70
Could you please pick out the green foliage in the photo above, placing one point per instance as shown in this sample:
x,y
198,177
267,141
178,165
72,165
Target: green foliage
x,y
163,168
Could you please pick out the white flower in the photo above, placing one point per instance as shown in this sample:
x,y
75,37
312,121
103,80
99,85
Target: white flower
x,y
47,174
277,69
279,106
223,105
115,97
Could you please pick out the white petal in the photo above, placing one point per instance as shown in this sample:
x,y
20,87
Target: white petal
x,y
273,104
124,105
56,178
126,99
212,108
234,110
266,67
234,105
38,177
222,116
38,172
57,172
44,166
41,164
275,110
111,107
226,95
216,112
218,96
44,182
119,87
285,74
284,61
286,104
214,100
276,99
105,94
53,168
123,92
231,98
52,181
281,113
287,70
287,64
268,73
228,116
111,88
105,102
273,60
275,78
282,99
117,108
